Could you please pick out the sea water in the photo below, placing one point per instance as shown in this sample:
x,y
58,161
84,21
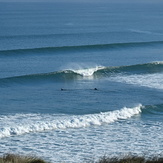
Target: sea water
x,y
80,80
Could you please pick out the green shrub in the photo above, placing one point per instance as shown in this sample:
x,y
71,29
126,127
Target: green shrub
x,y
12,158
130,159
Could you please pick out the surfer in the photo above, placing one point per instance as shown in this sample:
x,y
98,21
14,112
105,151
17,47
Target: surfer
x,y
95,89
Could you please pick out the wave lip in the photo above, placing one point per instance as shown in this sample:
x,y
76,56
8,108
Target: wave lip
x,y
21,124
88,71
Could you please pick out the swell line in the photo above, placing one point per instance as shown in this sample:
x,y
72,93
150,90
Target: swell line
x,y
41,77
97,72
153,110
145,68
31,36
83,47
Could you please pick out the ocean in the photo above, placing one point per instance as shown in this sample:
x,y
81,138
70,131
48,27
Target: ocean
x,y
81,80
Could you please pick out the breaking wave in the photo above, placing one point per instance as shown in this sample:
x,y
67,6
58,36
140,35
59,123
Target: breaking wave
x,y
153,110
26,123
145,80
121,73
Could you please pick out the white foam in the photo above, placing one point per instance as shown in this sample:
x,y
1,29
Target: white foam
x,y
157,62
141,31
25,123
88,71
145,80
84,69
145,32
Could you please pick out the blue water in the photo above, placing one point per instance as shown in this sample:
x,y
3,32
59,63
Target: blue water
x,y
54,55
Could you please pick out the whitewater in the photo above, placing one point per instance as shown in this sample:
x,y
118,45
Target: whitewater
x,y
22,124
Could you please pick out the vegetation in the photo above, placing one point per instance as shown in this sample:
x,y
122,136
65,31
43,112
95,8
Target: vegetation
x,y
131,159
11,158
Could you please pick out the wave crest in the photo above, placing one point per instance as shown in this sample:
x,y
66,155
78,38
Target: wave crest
x,y
25,123
88,71
91,47
95,72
